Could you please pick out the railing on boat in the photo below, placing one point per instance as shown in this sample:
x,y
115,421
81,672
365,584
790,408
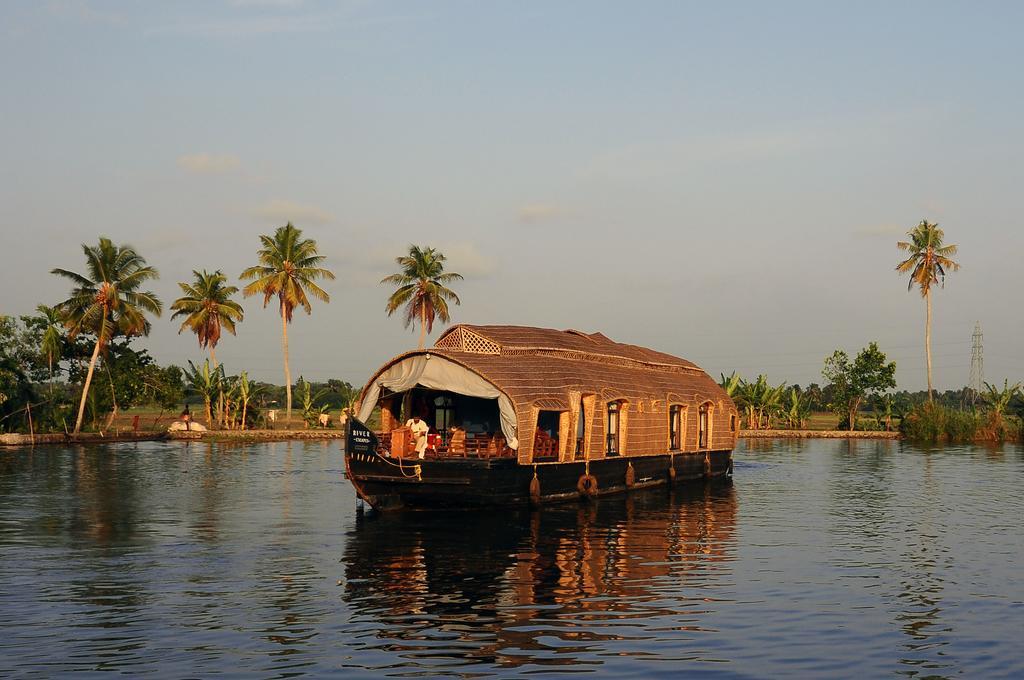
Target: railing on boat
x,y
461,444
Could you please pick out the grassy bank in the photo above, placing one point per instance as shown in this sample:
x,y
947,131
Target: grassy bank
x,y
933,423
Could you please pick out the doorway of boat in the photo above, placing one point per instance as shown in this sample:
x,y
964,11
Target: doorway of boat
x,y
459,426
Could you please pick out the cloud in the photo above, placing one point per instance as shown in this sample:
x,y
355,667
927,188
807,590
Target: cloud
x,y
279,210
880,230
208,164
540,212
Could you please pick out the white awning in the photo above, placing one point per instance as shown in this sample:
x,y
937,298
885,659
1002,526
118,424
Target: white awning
x,y
437,373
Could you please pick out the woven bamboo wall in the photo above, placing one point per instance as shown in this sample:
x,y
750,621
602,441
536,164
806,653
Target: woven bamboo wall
x,y
558,370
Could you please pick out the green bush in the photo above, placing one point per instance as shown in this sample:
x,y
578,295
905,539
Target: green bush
x,y
930,422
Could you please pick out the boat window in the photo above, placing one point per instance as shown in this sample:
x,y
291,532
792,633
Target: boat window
x,y
545,442
732,422
703,426
580,429
674,427
612,448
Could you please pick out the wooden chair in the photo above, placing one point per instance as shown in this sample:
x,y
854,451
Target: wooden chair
x,y
544,445
457,442
497,446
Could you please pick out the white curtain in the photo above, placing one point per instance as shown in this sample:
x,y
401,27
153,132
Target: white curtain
x,y
437,373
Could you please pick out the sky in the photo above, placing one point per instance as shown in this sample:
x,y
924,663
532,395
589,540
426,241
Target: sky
x,y
721,181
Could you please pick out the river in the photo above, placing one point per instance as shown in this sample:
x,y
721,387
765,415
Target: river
x,y
821,558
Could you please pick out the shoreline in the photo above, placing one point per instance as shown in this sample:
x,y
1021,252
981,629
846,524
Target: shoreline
x,y
818,434
17,439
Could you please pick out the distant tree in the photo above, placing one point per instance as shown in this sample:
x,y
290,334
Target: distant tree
x,y
15,386
342,394
107,301
927,264
207,307
422,289
289,266
852,383
815,400
165,386
885,407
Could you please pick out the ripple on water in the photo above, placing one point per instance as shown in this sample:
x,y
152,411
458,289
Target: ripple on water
x,y
823,558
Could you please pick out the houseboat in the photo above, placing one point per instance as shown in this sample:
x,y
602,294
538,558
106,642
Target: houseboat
x,y
520,415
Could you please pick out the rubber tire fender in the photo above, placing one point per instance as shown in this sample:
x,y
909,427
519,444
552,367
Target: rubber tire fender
x,y
587,485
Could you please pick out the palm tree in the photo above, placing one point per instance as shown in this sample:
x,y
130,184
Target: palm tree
x,y
927,265
421,288
51,344
287,269
107,301
207,307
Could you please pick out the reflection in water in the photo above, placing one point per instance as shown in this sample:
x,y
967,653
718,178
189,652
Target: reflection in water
x,y
540,587
823,558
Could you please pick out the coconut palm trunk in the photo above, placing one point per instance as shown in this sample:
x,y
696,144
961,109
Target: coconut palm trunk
x,y
85,387
423,326
287,370
928,340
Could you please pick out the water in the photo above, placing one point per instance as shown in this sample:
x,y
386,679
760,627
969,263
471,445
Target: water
x,y
823,558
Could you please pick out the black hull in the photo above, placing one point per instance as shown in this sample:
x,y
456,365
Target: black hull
x,y
387,483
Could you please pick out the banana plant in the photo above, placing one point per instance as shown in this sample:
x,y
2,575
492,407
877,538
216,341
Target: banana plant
x,y
247,391
206,382
731,384
226,401
998,400
310,412
762,401
797,410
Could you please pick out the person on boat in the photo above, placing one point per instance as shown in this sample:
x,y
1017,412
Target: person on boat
x,y
186,417
419,434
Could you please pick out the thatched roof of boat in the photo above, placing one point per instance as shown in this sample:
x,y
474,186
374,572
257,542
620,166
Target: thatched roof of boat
x,y
541,366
